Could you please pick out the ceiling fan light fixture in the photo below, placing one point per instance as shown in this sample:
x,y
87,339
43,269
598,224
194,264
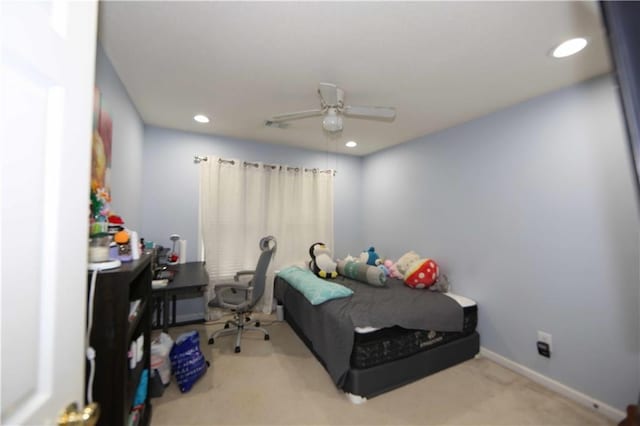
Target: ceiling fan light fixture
x,y
569,47
332,122
332,108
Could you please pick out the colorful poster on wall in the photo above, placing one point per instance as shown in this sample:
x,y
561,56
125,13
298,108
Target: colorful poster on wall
x,y
100,163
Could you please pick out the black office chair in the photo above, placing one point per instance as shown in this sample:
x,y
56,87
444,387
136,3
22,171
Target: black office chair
x,y
241,298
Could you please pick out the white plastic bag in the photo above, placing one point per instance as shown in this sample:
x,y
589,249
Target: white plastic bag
x,y
160,349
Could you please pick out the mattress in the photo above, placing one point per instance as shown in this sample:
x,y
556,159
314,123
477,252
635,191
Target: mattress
x,y
373,347
329,327
328,331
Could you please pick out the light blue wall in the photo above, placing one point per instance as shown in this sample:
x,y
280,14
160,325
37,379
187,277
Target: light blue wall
x,y
532,212
127,143
171,181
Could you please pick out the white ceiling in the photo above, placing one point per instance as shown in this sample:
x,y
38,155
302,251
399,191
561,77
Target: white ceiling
x,y
439,63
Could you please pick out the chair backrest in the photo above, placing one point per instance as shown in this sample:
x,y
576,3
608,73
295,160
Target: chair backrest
x,y
268,248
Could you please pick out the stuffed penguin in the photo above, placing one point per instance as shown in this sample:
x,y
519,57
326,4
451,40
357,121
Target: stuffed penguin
x,y
321,263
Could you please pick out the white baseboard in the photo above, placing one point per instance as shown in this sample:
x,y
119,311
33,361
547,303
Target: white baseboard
x,y
564,390
189,317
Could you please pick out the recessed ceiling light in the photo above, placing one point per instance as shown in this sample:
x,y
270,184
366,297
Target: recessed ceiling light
x,y
201,118
351,144
569,47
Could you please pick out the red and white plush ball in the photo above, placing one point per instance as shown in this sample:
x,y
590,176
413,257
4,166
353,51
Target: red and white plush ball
x,y
422,274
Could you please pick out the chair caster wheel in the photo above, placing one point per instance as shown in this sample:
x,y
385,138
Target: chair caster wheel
x,y
208,364
247,319
237,349
257,323
266,337
226,325
211,340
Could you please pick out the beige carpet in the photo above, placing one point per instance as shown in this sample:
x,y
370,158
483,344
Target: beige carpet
x,y
279,382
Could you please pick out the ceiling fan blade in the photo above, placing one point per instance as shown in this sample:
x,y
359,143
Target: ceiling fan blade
x,y
295,115
330,94
388,113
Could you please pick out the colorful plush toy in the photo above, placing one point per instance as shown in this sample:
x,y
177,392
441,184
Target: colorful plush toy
x,y
362,272
370,257
321,262
392,269
384,269
422,274
406,260
419,273
441,284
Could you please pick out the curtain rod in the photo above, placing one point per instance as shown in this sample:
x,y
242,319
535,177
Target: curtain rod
x,y
199,158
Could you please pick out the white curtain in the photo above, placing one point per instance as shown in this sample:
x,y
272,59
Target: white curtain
x,y
241,202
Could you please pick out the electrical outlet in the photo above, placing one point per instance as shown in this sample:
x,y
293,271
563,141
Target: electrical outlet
x,y
544,344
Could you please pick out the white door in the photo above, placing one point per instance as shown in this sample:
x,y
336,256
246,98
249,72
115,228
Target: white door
x,y
46,92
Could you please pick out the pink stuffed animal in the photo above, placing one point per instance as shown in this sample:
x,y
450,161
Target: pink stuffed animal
x,y
393,269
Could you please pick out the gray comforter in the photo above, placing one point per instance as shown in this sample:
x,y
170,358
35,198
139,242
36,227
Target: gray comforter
x,y
329,327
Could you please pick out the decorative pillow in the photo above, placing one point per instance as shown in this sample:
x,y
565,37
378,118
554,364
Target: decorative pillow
x,y
315,289
362,272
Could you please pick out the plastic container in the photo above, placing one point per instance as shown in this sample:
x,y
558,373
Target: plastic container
x,y
280,312
99,248
160,361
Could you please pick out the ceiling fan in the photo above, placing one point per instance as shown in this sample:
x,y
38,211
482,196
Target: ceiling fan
x,y
332,107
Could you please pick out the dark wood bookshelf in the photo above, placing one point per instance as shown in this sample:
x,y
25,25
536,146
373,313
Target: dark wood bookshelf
x,y
115,384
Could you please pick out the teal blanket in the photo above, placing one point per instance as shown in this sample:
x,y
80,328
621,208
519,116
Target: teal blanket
x,y
315,289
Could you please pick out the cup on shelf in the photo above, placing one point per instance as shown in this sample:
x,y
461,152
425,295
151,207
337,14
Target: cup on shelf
x,y
99,248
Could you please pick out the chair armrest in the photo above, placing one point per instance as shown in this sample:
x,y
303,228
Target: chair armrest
x,y
226,286
221,289
241,273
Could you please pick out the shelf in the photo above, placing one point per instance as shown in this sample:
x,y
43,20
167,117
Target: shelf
x,y
132,385
140,315
144,416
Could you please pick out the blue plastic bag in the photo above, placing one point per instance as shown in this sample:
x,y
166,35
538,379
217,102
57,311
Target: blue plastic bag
x,y
187,362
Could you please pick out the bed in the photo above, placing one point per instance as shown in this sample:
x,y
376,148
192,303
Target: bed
x,y
381,338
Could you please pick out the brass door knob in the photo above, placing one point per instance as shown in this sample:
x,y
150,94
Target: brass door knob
x,y
72,416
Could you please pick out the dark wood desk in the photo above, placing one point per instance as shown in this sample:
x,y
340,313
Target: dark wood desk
x,y
190,277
